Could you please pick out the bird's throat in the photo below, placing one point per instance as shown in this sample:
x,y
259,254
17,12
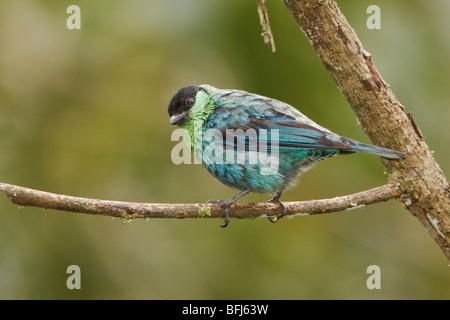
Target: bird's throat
x,y
198,115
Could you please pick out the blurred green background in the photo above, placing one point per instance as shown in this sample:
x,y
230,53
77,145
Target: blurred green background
x,y
84,113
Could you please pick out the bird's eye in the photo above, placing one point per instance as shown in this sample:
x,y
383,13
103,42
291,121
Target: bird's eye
x,y
190,101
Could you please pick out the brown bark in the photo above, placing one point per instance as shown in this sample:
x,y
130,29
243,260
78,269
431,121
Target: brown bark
x,y
424,187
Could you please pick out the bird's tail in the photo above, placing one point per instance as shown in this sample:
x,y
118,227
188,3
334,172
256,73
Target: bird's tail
x,y
367,148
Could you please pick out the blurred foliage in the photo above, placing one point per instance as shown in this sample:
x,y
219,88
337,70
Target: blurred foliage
x,y
84,112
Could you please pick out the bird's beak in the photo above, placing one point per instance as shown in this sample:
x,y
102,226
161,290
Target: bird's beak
x,y
178,118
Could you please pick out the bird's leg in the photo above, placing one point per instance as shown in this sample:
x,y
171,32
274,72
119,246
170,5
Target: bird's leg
x,y
227,205
276,199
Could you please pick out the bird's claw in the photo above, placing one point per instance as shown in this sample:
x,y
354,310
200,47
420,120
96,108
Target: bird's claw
x,y
274,219
226,221
226,205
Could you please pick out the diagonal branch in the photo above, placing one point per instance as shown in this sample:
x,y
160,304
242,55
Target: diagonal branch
x,y
129,210
425,189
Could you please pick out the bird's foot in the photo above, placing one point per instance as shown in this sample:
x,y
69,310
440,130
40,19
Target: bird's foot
x,y
226,204
276,199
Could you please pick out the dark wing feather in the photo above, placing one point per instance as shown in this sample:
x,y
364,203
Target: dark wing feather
x,y
292,133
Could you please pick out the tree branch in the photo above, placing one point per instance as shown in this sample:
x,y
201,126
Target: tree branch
x,y
129,210
425,189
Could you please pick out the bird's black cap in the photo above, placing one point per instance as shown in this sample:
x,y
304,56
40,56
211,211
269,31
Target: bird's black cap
x,y
182,101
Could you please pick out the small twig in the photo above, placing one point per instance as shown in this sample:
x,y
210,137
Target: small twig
x,y
129,210
416,128
264,19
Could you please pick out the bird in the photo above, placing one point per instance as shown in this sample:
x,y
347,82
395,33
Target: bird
x,y
252,126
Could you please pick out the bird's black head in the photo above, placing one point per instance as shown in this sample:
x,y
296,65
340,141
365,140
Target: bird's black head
x,y
180,104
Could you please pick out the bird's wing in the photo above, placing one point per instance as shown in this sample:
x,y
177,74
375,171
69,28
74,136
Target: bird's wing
x,y
257,126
